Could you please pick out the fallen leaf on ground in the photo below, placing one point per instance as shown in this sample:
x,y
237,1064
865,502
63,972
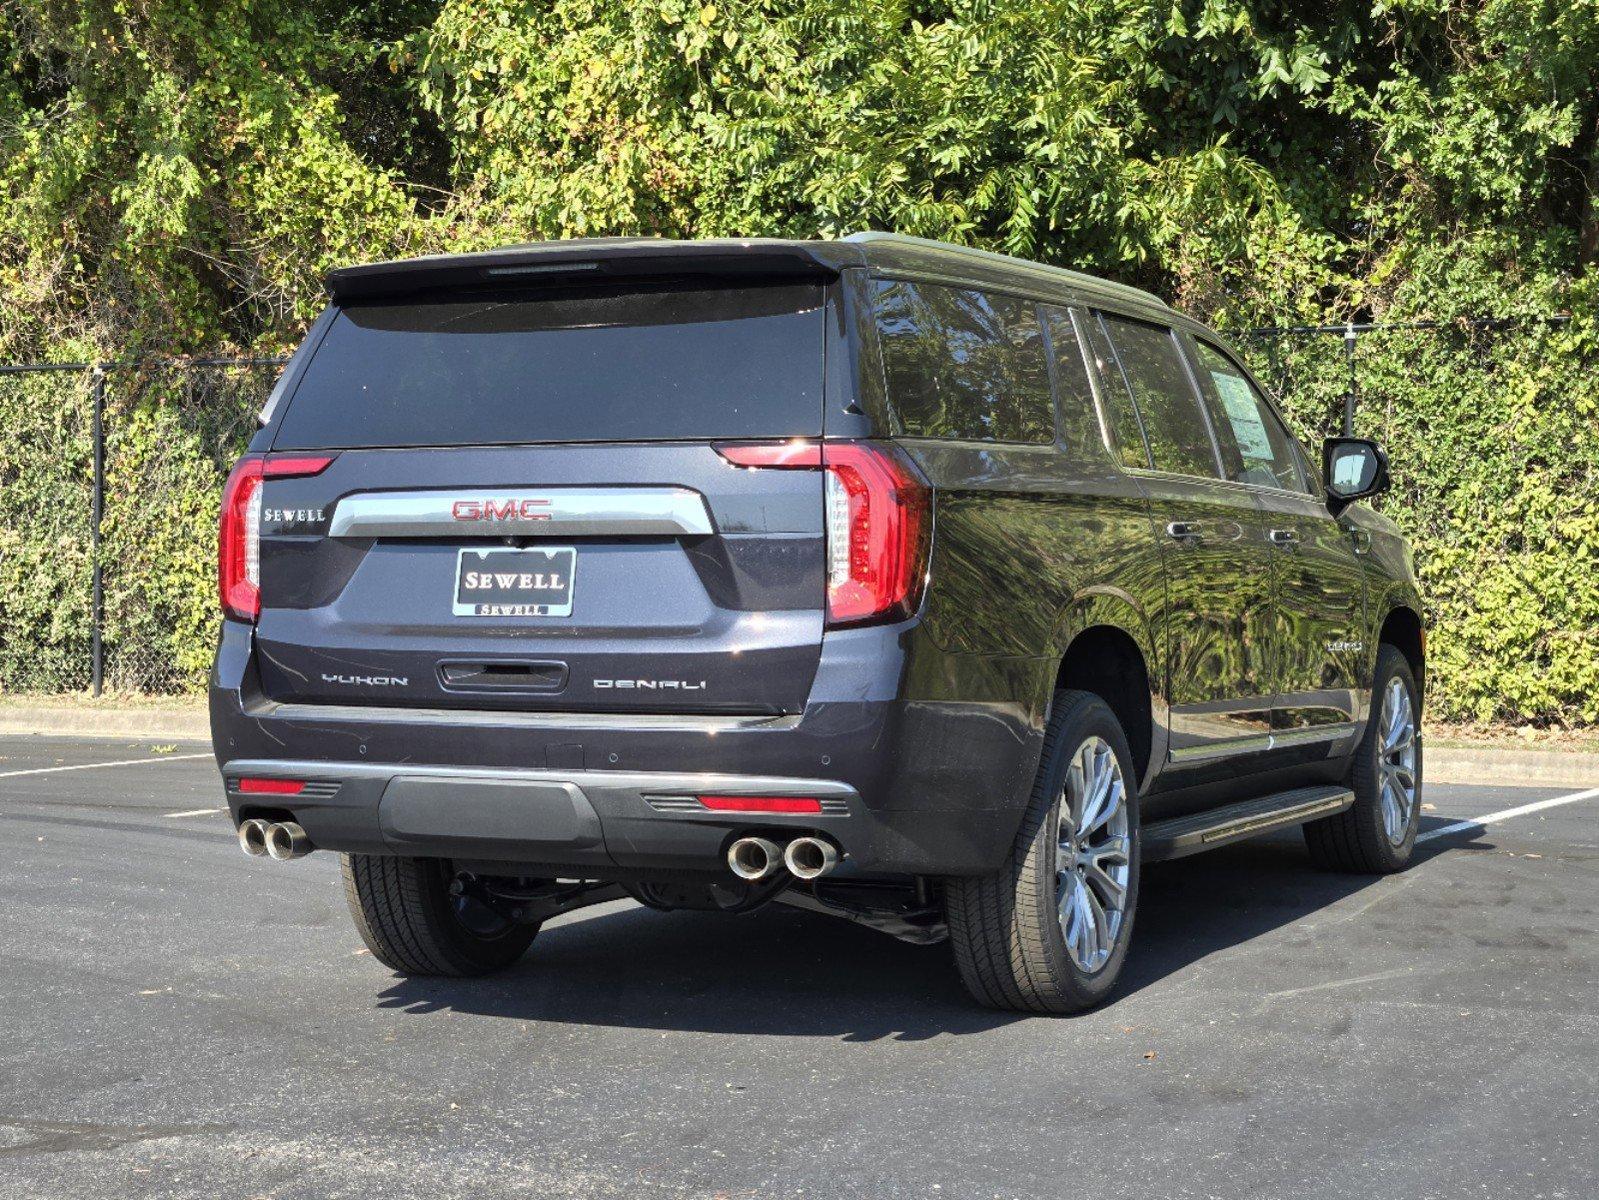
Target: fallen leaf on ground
x,y
1429,808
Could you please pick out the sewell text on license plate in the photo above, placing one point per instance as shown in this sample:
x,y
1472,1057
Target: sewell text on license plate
x,y
534,582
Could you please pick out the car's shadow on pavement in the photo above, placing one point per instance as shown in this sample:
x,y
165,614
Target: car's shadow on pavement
x,y
783,971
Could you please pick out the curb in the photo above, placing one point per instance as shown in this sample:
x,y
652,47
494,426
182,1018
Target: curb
x,y
1501,766
178,723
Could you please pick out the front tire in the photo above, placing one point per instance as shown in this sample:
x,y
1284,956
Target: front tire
x,y
1377,834
1048,932
406,915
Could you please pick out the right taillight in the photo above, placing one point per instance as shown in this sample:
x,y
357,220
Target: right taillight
x,y
878,516
239,534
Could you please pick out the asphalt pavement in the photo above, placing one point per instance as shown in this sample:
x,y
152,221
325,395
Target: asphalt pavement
x,y
182,1021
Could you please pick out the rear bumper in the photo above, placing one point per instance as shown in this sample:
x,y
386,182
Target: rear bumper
x,y
922,787
570,819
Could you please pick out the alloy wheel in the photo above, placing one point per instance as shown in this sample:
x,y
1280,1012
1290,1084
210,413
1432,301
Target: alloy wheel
x,y
1396,761
1093,861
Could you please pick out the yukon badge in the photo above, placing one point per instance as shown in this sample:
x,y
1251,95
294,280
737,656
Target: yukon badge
x,y
368,680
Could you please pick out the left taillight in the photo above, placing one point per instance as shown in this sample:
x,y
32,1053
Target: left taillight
x,y
878,513
239,534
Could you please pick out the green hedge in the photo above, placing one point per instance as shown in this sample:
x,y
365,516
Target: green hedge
x,y
1494,444
1494,438
176,176
170,438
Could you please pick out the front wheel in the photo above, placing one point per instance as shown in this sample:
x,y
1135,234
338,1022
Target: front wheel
x,y
1378,833
412,921
1048,932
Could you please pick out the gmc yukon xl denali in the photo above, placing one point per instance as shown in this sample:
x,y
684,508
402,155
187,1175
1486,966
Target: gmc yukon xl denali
x,y
928,587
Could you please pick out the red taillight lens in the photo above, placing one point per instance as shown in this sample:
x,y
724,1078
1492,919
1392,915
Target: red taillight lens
x,y
762,804
272,787
878,513
239,535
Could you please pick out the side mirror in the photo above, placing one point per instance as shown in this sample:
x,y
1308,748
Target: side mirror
x,y
1353,468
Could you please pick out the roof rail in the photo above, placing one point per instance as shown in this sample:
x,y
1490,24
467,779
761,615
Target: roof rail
x,y
878,237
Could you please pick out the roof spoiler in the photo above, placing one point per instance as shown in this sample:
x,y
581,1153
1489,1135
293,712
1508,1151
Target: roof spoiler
x,y
593,259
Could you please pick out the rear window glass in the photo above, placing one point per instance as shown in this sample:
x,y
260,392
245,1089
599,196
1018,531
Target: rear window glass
x,y
963,364
639,363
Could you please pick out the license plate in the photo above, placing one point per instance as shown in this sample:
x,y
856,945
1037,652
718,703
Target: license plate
x,y
515,583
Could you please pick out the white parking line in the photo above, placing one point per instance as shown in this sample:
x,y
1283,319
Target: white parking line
x,y
126,762
1504,814
196,812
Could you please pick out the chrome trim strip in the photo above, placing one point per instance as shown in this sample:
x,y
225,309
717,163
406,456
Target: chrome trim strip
x,y
1243,745
545,512
635,783
271,710
1312,733
1261,742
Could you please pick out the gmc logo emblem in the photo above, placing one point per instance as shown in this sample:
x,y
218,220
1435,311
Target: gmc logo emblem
x,y
499,510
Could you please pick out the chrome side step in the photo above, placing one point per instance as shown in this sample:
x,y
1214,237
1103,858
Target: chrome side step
x,y
1177,837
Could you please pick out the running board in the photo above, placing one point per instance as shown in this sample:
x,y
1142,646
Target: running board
x,y
1177,837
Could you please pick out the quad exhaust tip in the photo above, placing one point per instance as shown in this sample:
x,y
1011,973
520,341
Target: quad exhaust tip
x,y
253,837
280,840
810,857
754,858
286,840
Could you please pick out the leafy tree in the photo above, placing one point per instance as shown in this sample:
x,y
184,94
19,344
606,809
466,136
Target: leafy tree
x,y
176,176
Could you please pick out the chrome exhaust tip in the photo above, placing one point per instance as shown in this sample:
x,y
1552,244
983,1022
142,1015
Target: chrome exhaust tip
x,y
754,858
810,857
285,840
253,837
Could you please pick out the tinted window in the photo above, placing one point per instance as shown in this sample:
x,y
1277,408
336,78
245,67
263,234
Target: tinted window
x,y
964,364
1119,410
1079,423
634,363
1174,425
1255,447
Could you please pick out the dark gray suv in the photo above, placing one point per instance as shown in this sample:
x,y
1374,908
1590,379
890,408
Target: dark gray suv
x,y
924,586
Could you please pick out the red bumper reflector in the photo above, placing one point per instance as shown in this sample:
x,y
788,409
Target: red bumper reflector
x,y
273,787
762,804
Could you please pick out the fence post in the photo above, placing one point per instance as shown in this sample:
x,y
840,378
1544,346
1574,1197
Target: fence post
x,y
96,512
1349,396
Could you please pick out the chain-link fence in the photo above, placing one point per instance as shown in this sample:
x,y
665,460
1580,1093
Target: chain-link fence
x,y
110,480
109,487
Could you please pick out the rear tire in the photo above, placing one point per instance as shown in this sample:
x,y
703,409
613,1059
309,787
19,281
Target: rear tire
x,y
1071,858
408,919
1377,834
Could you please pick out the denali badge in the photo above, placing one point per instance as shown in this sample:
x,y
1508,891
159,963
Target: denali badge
x,y
1345,647
499,510
650,685
369,680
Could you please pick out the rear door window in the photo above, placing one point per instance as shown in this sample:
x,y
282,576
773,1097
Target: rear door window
x,y
1120,412
1079,422
633,362
963,364
1255,447
1152,371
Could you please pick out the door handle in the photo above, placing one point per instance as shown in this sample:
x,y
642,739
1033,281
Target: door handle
x,y
1286,538
1184,531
